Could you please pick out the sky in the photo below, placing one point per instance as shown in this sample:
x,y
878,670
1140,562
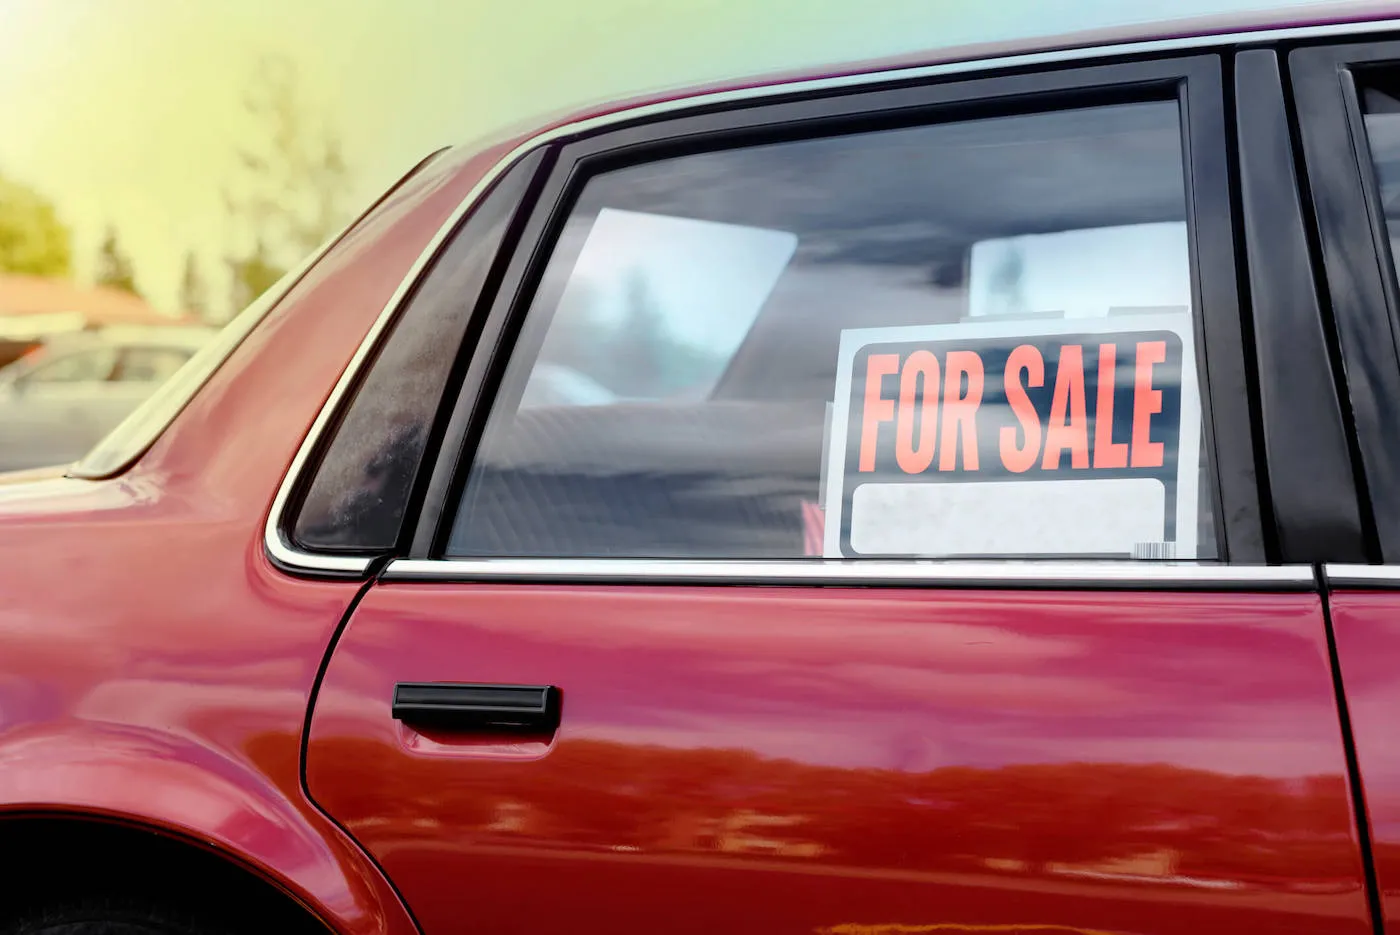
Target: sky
x,y
128,112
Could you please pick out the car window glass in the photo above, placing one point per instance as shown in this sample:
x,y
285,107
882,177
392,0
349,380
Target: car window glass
x,y
150,364
1381,105
654,307
357,498
969,339
79,367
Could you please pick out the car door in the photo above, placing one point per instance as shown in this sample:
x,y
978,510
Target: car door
x,y
1348,104
906,566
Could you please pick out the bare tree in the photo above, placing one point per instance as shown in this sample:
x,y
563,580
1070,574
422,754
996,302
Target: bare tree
x,y
194,294
114,267
288,195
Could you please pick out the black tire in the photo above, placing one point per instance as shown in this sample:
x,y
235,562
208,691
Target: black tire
x,y
117,917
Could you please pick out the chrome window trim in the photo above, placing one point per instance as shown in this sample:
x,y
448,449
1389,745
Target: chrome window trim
x,y
861,573
296,560
1362,576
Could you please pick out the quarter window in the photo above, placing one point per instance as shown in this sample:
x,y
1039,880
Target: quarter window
x,y
969,339
357,499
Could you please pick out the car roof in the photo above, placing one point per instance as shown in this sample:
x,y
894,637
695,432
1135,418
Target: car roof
x,y
1051,36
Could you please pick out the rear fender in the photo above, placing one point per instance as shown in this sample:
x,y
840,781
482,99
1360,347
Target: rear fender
x,y
166,783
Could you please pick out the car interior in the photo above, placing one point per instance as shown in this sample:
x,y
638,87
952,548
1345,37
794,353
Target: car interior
x,y
895,228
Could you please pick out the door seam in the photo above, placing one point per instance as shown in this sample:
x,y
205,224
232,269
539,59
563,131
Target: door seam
x,y
321,669
1360,813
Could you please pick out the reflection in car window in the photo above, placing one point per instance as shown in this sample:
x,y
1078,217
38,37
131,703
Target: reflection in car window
x,y
672,390
643,313
1381,103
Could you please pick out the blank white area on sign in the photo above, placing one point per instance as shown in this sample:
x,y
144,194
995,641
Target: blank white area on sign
x,y
1082,273
1010,518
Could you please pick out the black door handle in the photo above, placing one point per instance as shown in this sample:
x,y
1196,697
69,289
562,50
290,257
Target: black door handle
x,y
457,706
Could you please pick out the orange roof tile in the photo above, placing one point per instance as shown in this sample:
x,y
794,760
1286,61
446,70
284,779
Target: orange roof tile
x,y
101,305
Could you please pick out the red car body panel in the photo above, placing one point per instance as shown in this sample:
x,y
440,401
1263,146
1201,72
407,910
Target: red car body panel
x,y
1367,625
795,760
1178,756
156,666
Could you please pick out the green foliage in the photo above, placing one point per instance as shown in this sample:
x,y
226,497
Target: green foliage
x,y
32,238
114,268
254,274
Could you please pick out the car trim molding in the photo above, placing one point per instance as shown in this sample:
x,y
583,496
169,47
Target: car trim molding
x,y
1382,577
861,573
297,561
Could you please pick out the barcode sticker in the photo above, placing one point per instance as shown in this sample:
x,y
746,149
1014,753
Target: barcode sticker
x,y
1151,551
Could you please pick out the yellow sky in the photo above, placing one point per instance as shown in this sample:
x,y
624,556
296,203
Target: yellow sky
x,y
126,111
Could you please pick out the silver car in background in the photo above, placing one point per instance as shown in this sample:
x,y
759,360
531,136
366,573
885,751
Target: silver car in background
x,y
59,400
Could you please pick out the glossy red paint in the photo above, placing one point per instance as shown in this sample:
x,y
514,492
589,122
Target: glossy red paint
x,y
740,759
155,666
1367,628
831,760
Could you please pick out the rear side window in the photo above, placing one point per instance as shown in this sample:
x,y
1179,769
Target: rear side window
x,y
970,339
357,499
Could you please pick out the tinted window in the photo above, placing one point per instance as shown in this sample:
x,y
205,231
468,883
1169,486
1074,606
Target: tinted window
x,y
356,500
969,339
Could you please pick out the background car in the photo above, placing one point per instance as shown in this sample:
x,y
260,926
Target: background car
x,y
63,396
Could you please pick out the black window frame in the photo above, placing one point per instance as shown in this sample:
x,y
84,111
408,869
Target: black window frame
x,y
1304,431
1355,254
509,194
1194,80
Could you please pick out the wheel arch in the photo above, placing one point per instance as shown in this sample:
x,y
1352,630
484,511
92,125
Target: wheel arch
x,y
89,796
60,856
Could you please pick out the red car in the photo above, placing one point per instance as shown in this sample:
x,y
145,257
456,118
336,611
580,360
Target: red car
x,y
959,495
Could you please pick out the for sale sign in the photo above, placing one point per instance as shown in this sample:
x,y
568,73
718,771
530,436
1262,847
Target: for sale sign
x,y
1015,438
